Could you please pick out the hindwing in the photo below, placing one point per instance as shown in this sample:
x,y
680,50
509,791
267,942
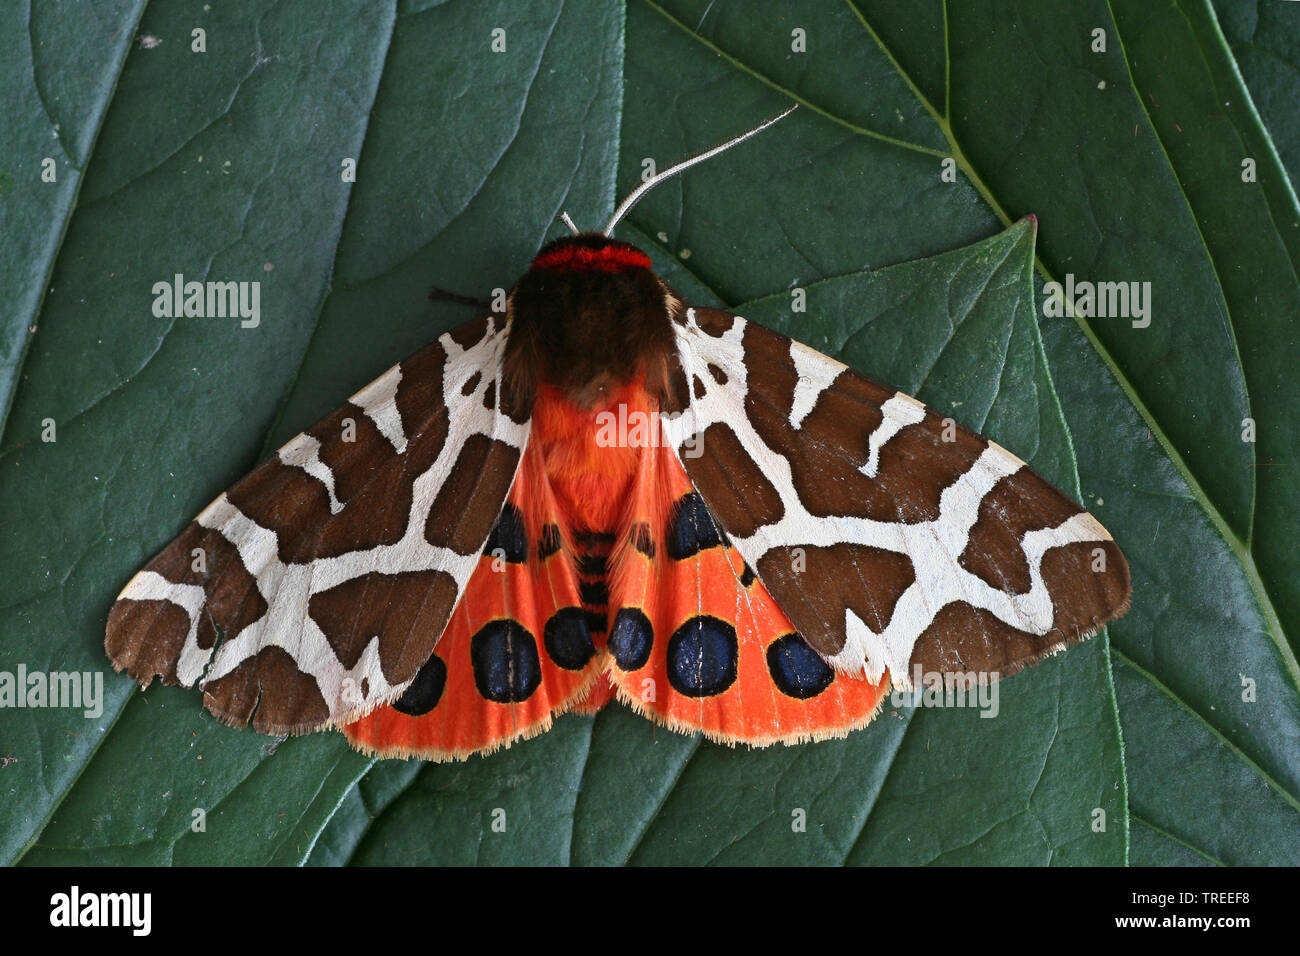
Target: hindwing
x,y
699,644
517,651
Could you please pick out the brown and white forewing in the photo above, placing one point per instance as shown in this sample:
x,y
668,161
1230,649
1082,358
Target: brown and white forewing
x,y
315,588
890,536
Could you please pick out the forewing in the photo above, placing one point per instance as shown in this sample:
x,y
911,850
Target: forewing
x,y
316,587
890,535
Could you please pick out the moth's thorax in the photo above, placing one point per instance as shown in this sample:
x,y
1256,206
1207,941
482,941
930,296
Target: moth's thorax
x,y
589,317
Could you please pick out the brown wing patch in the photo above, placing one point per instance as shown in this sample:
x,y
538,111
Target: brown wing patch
x,y
1018,503
419,397
962,638
407,611
355,451
373,484
465,510
470,333
270,690
751,501
146,637
1088,581
830,447
818,585
713,322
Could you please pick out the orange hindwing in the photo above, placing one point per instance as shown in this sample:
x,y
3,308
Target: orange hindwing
x,y
698,642
516,651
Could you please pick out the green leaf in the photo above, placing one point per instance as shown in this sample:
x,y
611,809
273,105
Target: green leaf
x,y
56,93
465,158
1264,37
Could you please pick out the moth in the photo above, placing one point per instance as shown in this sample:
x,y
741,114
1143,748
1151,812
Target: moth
x,y
605,493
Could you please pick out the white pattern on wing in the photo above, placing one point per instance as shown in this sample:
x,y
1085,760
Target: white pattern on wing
x,y
379,401
899,411
933,547
815,376
303,451
287,589
152,586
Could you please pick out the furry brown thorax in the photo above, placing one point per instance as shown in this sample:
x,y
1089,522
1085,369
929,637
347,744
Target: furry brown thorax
x,y
587,317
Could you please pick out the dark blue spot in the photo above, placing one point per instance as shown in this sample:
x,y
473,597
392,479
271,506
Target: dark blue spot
x,y
508,538
425,690
567,639
631,638
506,667
702,657
691,528
796,669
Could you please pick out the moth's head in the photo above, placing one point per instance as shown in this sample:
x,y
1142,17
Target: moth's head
x,y
589,315
592,314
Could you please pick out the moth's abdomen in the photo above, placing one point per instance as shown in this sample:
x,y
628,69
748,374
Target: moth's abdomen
x,y
591,455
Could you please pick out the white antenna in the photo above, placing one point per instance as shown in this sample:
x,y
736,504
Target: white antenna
x,y
564,218
687,163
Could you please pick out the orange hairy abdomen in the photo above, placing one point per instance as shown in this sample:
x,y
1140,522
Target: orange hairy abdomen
x,y
590,465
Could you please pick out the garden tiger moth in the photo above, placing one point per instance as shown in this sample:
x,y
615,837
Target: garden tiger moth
x,y
763,542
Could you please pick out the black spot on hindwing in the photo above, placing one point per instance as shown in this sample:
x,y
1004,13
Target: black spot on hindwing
x,y
703,655
691,528
550,541
425,689
797,670
642,539
508,538
506,666
631,638
568,640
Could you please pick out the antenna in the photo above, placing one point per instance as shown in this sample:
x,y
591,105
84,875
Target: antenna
x,y
687,163
568,221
